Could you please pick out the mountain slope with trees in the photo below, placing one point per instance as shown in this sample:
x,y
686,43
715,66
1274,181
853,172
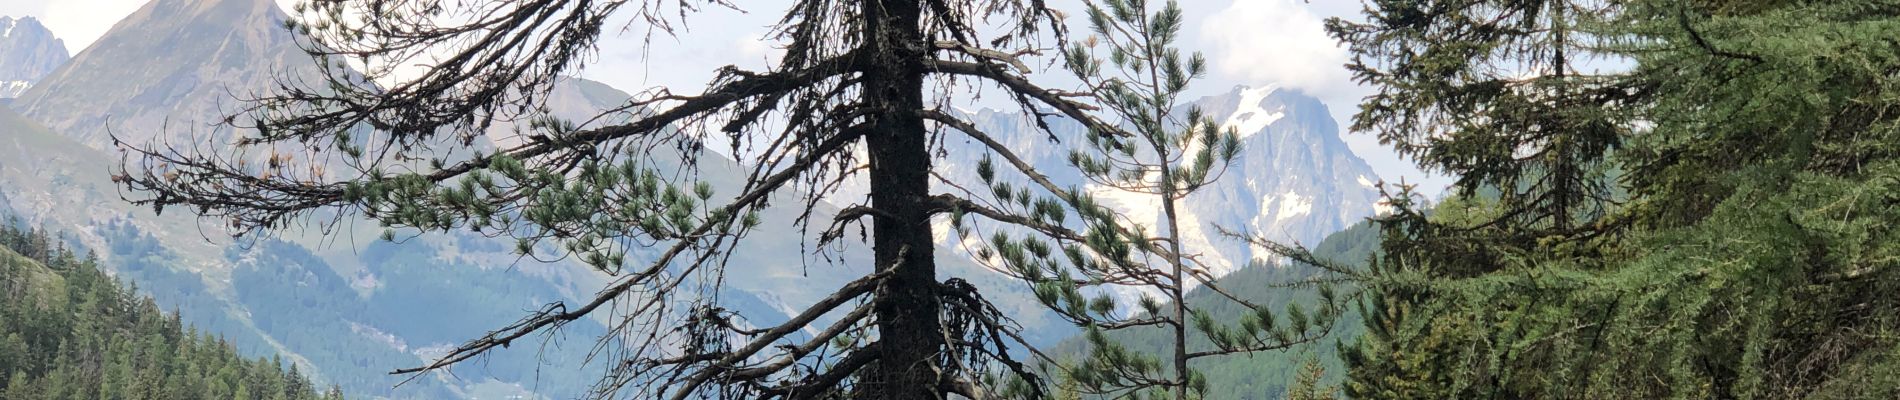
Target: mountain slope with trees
x,y
69,331
854,97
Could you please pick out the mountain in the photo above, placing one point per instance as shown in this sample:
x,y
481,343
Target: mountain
x,y
28,51
349,308
346,310
1294,181
71,331
171,66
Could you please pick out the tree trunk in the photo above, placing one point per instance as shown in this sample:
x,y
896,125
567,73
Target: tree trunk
x,y
906,306
1178,295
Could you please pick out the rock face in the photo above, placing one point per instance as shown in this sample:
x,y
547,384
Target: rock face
x,y
171,66
1295,180
28,51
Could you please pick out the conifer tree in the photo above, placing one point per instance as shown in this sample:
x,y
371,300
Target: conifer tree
x,y
1307,385
1674,224
18,387
857,96
1167,153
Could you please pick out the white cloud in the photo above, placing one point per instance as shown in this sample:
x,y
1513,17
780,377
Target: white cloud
x,y
755,48
1274,42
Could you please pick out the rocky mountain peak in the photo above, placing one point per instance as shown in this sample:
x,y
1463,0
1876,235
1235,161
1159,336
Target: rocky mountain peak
x,y
28,51
1295,179
172,66
1302,179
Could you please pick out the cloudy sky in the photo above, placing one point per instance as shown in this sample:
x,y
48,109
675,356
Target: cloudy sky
x,y
1248,42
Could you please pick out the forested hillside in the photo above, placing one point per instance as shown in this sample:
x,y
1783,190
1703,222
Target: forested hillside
x,y
69,331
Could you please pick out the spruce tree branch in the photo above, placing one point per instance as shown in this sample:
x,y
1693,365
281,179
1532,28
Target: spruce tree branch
x,y
218,187
1210,283
1682,18
823,337
557,314
990,321
1019,164
1296,252
971,130
945,203
948,203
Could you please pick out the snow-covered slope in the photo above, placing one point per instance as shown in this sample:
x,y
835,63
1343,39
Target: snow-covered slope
x,y
28,51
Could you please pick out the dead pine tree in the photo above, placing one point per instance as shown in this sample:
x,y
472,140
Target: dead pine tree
x,y
857,95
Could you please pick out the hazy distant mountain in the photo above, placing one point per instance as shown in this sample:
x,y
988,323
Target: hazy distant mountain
x,y
347,309
28,51
171,66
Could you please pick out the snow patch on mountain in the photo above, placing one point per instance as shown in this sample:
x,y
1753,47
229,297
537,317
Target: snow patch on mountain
x,y
12,89
1249,117
1294,181
1141,208
1293,205
379,336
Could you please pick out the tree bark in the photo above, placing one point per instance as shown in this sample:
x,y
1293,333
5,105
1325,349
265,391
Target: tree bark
x,y
906,306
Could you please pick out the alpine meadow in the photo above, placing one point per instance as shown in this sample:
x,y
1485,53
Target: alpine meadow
x,y
949,199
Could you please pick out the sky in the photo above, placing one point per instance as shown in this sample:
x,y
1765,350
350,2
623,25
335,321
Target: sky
x,y
1247,42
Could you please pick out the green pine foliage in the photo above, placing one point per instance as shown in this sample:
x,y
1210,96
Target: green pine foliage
x,y
1131,67
1714,218
1308,385
69,331
1262,375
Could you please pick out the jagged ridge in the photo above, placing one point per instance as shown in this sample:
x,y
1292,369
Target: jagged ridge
x,y
28,51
